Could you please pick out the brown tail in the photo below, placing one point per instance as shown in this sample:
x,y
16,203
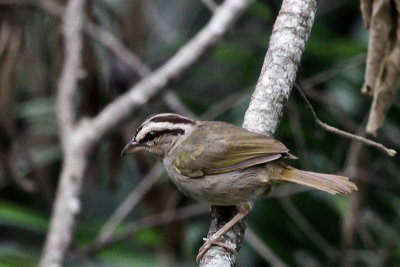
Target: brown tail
x,y
332,184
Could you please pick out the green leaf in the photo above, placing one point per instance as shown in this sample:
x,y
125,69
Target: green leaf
x,y
17,215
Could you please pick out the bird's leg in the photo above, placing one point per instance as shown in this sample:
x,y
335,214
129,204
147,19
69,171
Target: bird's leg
x,y
244,209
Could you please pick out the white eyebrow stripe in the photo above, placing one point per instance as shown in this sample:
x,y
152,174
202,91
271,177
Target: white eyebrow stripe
x,y
161,115
159,126
164,115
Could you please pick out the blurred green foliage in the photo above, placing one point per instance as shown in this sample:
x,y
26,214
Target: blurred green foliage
x,y
155,30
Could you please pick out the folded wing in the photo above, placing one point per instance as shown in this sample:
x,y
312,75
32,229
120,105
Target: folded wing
x,y
222,147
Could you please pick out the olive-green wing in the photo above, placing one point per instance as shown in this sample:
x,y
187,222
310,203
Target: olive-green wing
x,y
218,147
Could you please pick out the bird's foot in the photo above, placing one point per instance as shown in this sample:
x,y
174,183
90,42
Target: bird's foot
x,y
207,245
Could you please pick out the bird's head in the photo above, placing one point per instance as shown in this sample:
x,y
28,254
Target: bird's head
x,y
158,134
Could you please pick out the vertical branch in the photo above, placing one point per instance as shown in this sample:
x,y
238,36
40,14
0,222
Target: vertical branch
x,y
287,42
288,39
67,203
71,28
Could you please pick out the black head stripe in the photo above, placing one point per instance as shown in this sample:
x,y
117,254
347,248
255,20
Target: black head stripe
x,y
172,119
150,136
140,128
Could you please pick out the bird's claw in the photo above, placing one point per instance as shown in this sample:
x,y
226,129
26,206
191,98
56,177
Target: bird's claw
x,y
207,245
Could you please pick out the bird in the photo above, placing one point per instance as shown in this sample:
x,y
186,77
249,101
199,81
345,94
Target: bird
x,y
221,164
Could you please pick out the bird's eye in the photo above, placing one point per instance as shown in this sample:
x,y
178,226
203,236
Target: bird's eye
x,y
150,136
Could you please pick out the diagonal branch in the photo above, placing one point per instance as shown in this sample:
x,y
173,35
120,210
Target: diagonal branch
x,y
220,22
129,203
164,217
123,107
265,252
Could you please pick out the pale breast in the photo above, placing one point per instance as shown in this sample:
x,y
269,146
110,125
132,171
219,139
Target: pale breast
x,y
224,189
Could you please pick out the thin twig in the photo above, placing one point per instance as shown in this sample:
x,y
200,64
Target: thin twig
x,y
153,18
323,125
148,222
223,106
265,252
175,104
309,83
129,203
280,192
308,229
333,71
123,53
210,4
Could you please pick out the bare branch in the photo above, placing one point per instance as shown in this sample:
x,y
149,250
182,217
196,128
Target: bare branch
x,y
72,26
390,152
288,39
287,42
153,220
210,4
113,44
124,106
66,205
309,83
175,104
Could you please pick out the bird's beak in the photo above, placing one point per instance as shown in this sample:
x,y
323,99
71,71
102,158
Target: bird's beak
x,y
132,147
